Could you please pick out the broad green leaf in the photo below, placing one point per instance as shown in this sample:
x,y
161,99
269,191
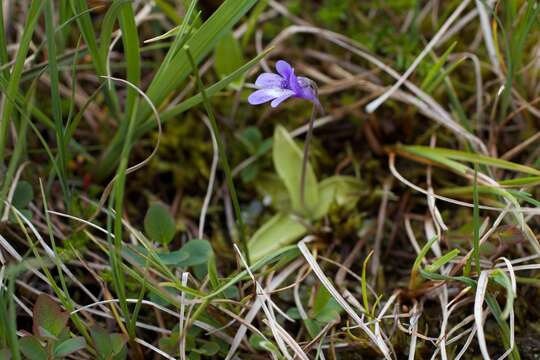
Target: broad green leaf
x,y
159,224
341,190
108,346
169,344
325,307
313,327
195,252
32,348
252,138
321,298
260,343
228,57
118,342
102,341
140,255
49,319
23,194
250,172
270,187
70,346
287,157
294,313
279,231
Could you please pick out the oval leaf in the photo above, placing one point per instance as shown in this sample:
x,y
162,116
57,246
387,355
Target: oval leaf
x,y
344,191
279,231
23,194
228,57
70,346
194,252
49,319
288,163
32,349
159,224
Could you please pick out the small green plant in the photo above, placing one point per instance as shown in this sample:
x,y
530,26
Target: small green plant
x,y
288,224
109,346
159,224
51,338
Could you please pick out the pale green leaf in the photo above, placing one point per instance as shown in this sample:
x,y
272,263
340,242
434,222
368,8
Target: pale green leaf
x,y
279,231
287,157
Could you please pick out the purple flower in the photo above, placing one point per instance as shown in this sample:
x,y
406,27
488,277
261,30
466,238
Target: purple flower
x,y
281,86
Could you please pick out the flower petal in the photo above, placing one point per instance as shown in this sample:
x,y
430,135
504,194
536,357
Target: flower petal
x,y
304,81
284,69
265,95
286,94
309,91
269,80
294,85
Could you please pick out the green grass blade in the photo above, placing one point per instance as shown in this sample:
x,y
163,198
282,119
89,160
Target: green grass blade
x,y
434,71
55,99
18,151
4,58
197,99
8,317
443,260
173,73
84,20
222,158
200,44
130,39
15,76
435,153
418,261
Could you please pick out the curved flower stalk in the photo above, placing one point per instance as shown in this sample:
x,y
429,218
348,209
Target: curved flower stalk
x,y
279,87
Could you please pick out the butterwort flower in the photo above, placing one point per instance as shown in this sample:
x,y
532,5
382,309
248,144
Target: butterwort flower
x,y
283,85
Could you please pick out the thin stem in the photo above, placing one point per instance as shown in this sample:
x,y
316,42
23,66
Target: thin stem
x,y
305,159
222,157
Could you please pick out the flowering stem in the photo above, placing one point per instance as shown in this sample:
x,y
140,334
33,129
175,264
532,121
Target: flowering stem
x,y
305,159
222,157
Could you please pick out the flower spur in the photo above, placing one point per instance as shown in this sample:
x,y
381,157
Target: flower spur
x,y
282,86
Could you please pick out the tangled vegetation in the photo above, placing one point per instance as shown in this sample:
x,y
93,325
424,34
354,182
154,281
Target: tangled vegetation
x,y
285,179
